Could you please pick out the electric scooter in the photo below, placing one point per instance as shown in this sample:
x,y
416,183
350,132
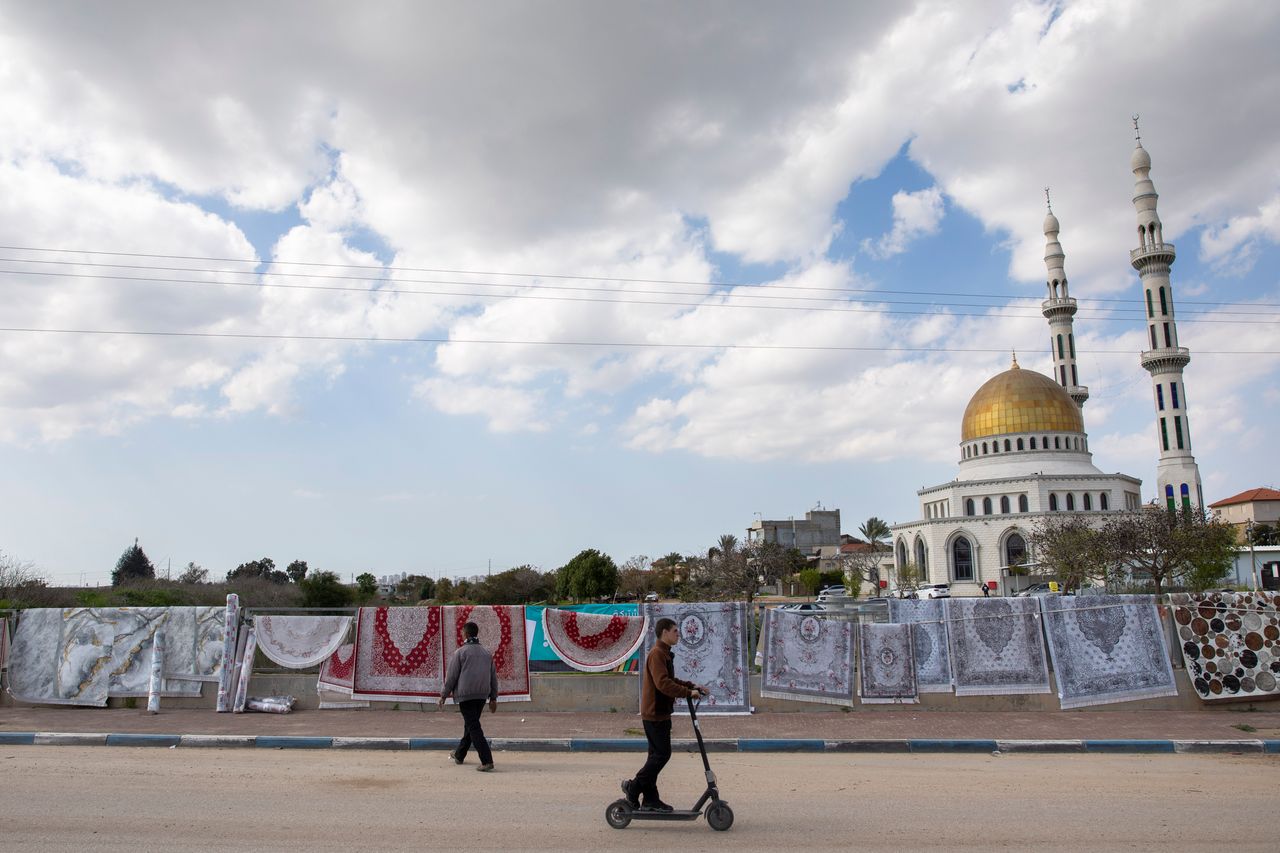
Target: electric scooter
x,y
719,816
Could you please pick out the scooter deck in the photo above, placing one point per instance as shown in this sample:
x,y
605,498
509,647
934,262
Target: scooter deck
x,y
677,814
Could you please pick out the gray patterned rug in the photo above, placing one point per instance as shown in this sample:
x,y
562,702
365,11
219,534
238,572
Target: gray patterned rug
x,y
929,641
1107,649
996,646
886,668
807,658
712,651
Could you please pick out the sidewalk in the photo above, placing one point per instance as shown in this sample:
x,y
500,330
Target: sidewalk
x,y
894,730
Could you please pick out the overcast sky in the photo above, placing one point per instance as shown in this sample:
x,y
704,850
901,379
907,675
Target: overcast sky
x,y
692,262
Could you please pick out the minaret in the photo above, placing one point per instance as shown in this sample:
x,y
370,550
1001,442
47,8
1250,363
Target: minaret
x,y
1058,309
1177,475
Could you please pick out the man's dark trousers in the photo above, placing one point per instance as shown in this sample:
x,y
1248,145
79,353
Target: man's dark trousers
x,y
659,737
473,734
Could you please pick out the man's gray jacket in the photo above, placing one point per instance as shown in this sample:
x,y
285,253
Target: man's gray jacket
x,y
472,674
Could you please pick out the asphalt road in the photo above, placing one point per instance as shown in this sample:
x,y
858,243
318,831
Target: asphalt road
x,y
117,798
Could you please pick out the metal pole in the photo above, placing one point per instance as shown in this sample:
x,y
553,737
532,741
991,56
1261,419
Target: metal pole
x,y
1253,558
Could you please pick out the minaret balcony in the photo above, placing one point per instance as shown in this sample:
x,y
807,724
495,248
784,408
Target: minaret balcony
x,y
1166,359
1079,393
1155,252
1059,307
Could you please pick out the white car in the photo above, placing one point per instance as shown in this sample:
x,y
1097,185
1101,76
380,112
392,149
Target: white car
x,y
1037,589
651,596
804,607
832,592
934,590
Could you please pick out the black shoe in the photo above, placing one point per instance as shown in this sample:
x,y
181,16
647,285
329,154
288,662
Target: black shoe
x,y
456,759
656,806
632,799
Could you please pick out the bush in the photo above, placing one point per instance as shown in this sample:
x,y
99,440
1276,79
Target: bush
x,y
325,589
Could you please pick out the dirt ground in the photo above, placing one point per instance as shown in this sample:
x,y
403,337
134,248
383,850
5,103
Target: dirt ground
x,y
74,798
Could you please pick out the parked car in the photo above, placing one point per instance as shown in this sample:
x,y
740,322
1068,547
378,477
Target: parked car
x,y
1039,589
650,596
934,590
832,592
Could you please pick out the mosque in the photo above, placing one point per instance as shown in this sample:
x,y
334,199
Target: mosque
x,y
1024,452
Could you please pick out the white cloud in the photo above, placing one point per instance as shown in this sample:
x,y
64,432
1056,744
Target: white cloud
x,y
915,215
506,409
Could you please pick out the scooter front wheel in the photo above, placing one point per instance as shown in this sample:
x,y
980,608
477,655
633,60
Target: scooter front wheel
x,y
719,816
618,814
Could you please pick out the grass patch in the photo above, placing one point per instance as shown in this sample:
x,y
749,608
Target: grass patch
x,y
1244,727
633,731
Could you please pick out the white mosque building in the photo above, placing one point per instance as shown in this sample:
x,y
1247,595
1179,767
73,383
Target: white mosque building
x,y
1024,452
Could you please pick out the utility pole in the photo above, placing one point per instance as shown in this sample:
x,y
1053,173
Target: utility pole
x,y
1253,558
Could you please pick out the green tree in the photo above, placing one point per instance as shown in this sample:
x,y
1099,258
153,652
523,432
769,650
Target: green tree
x,y
193,574
1263,534
367,585
444,591
1183,547
875,531
325,589
297,570
809,579
132,565
264,569
1069,549
427,590
588,576
909,578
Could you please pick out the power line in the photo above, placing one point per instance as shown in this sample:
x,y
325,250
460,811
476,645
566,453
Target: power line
x,y
602,344
936,312
557,276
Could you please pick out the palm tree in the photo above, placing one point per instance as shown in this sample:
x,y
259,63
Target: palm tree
x,y
875,531
728,544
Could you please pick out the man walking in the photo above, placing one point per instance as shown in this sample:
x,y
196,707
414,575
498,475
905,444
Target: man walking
x,y
471,679
659,689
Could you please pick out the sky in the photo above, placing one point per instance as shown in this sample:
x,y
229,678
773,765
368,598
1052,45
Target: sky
x,y
445,288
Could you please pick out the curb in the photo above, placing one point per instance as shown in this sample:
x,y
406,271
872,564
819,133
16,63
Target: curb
x,y
752,745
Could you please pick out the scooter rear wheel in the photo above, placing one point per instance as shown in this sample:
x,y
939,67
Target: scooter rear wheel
x,y
618,814
719,816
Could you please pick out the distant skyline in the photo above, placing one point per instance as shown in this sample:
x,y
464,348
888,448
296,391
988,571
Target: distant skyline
x,y
424,287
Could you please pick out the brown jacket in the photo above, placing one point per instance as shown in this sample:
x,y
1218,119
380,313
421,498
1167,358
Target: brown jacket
x,y
660,687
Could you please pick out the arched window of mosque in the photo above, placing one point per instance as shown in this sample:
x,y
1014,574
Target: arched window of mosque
x,y
1075,377
1186,497
922,559
1102,501
1088,501
902,553
1060,352
1071,502
1033,442
984,448
1020,447
1168,492
1168,341
1150,311
1071,345
1154,344
1015,550
1164,306
968,506
1142,236
1004,504
995,446
962,559
986,506
1046,443
1053,503
1062,372
1057,439
1022,503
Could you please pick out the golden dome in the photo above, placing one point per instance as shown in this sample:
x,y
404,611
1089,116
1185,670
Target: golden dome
x,y
1020,401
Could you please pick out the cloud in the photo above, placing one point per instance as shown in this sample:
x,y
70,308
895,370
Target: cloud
x,y
915,215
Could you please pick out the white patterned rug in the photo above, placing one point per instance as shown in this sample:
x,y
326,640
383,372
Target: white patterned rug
x,y
1230,642
886,668
712,651
996,646
61,657
300,642
929,641
592,642
1107,648
807,658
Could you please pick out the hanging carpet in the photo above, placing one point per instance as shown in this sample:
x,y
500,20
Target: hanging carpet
x,y
712,651
996,646
194,643
4,643
886,671
61,657
1230,643
398,654
928,641
502,632
300,642
592,642
807,658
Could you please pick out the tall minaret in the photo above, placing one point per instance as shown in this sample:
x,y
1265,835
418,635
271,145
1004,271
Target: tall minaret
x,y
1177,475
1058,309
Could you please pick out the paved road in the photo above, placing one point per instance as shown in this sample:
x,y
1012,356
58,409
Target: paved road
x,y
73,798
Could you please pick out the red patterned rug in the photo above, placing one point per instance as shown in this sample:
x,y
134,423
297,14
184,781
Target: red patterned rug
x,y
502,633
398,654
339,669
592,642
